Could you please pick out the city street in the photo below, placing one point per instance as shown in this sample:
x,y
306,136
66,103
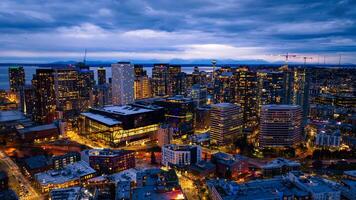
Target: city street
x,y
21,185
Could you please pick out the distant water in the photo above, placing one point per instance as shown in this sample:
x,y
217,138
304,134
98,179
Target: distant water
x,y
30,70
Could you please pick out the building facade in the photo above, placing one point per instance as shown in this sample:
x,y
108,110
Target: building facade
x,y
123,77
180,155
280,125
226,124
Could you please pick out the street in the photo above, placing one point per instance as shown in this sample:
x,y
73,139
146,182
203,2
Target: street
x,y
23,187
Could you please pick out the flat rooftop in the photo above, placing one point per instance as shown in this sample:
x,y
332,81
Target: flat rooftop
x,y
72,193
149,192
70,172
11,115
125,110
101,118
107,152
350,173
223,105
279,162
280,106
176,147
37,128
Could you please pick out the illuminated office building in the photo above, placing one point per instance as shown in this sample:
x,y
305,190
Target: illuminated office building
x,y
301,83
16,78
164,79
61,93
107,161
179,113
180,155
173,71
224,86
199,94
120,125
142,84
142,87
101,76
123,78
45,96
102,95
181,84
226,123
280,125
246,96
160,79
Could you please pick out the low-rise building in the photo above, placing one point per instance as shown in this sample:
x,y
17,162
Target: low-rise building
x,y
328,139
157,184
279,166
180,155
319,188
107,161
38,133
120,125
71,175
267,189
71,193
228,166
63,160
203,169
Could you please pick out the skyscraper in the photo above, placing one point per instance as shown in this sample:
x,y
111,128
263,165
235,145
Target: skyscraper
x,y
280,125
224,86
101,76
122,83
301,83
142,84
226,123
16,78
246,96
142,87
45,96
160,79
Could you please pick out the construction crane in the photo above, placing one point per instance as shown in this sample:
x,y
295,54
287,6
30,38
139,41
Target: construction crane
x,y
306,58
213,62
286,56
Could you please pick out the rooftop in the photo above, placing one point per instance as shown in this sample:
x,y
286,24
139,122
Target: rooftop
x,y
100,118
72,193
280,106
11,115
279,162
70,172
351,173
36,162
107,152
125,110
224,158
223,105
37,128
176,147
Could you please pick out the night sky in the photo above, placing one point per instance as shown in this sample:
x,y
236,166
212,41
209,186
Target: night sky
x,y
52,30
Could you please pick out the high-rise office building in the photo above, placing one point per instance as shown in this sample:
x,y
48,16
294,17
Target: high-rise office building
x,y
27,99
45,96
16,78
280,125
181,84
226,124
160,79
142,87
301,83
224,84
61,93
123,78
199,94
142,84
166,80
101,76
85,84
173,71
246,96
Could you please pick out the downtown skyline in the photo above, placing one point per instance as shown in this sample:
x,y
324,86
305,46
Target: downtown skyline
x,y
246,31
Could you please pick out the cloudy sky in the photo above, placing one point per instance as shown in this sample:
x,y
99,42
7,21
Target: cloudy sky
x,y
52,30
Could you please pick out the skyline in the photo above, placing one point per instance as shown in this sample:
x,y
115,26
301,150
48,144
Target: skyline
x,y
247,31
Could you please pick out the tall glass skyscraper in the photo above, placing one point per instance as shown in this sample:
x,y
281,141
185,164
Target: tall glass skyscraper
x,y
123,77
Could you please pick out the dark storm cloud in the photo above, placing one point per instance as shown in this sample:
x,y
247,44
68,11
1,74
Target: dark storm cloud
x,y
188,29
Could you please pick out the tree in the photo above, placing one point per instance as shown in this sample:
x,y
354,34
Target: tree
x,y
153,158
